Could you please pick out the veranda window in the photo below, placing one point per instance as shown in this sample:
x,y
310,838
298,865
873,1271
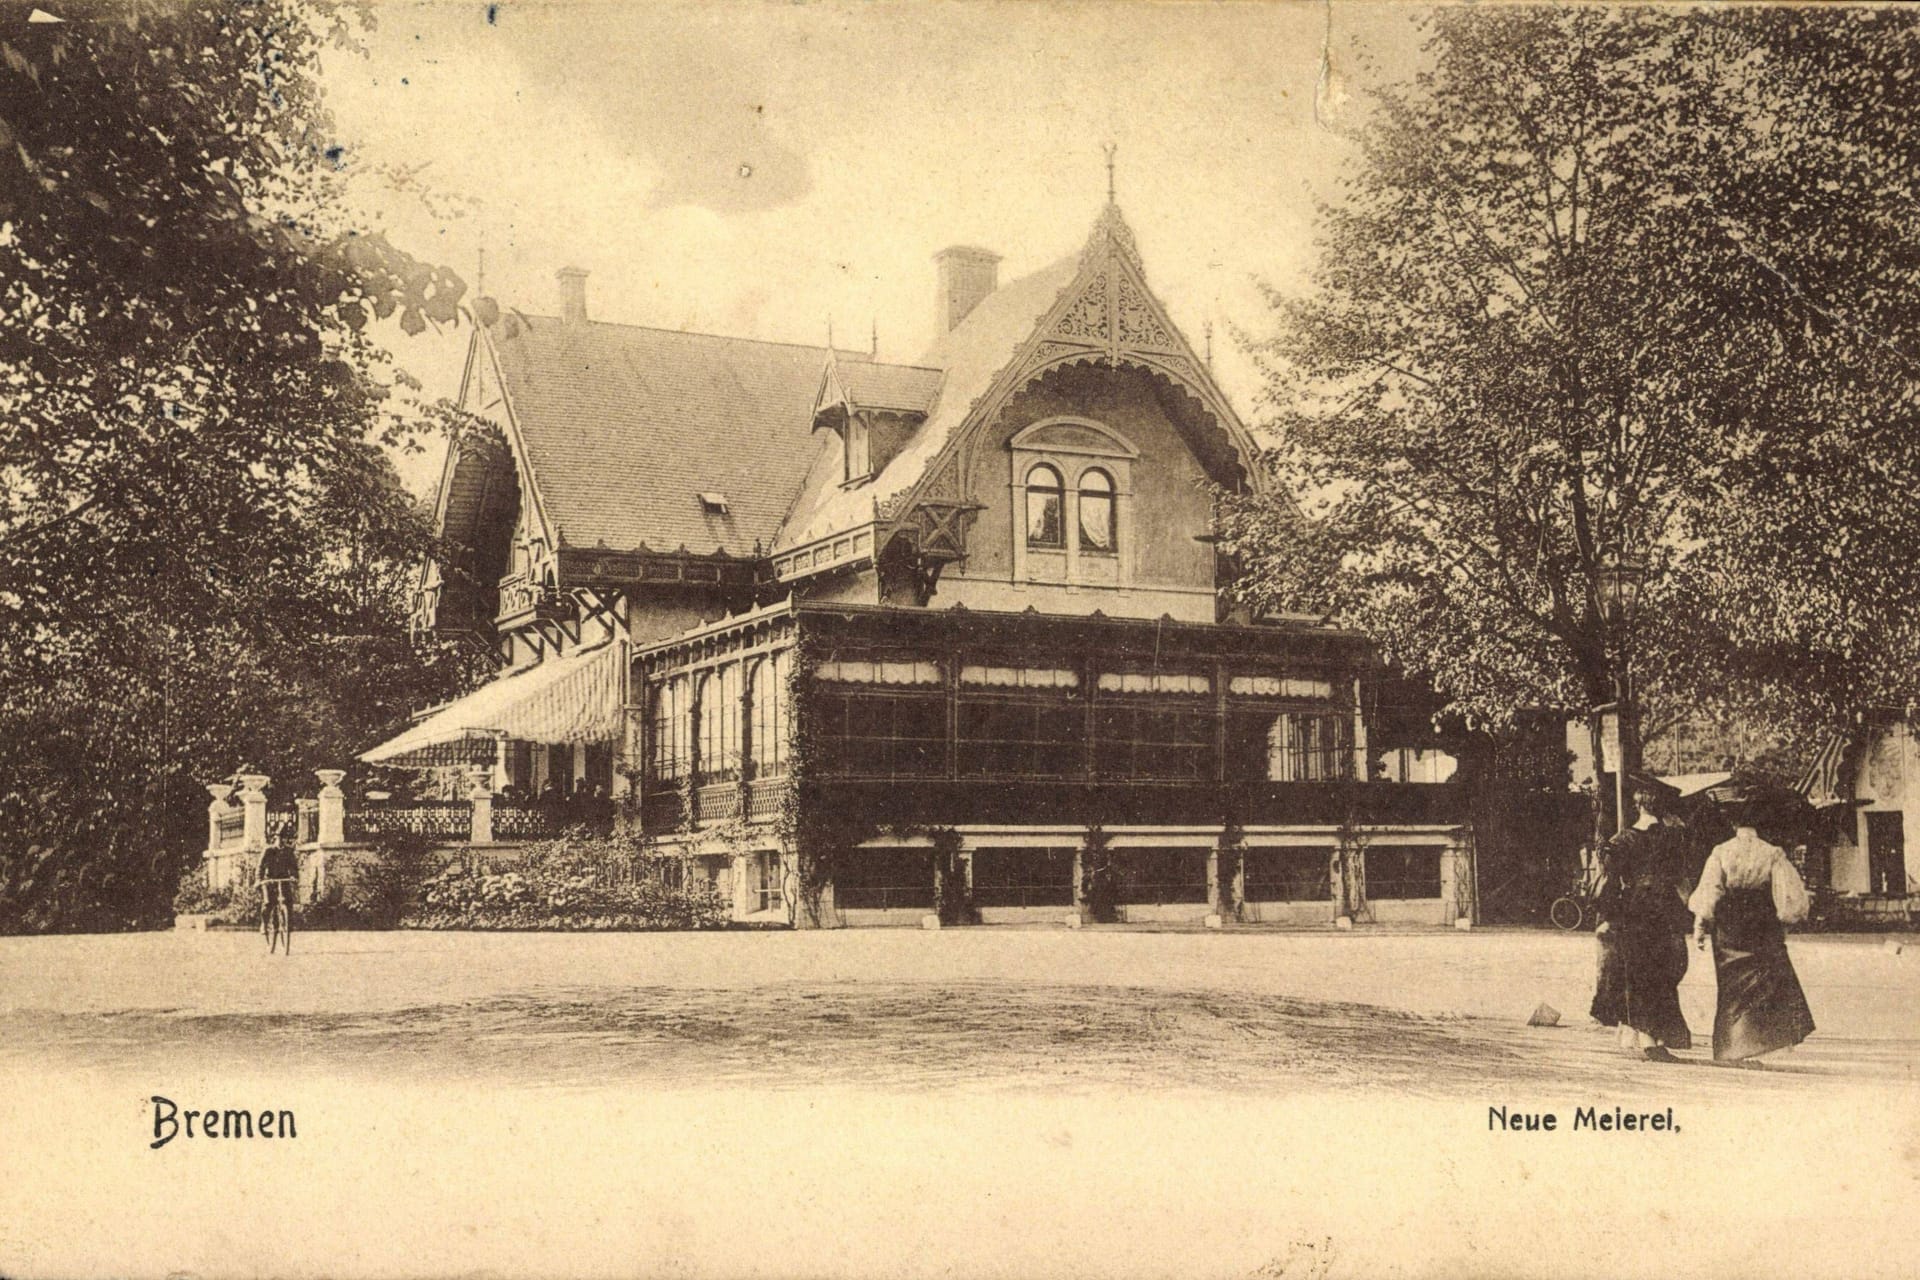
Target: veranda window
x,y
1157,876
1045,496
768,876
1155,740
671,731
719,696
770,716
1287,875
1309,747
1032,735
1022,877
869,732
875,878
1403,872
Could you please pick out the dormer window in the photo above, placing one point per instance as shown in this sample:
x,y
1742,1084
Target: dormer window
x,y
859,448
714,504
1045,497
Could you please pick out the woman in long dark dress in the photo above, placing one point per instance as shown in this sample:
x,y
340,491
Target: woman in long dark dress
x,y
1643,939
1747,890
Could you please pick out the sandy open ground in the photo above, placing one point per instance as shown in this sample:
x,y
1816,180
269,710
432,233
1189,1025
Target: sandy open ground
x,y
994,1101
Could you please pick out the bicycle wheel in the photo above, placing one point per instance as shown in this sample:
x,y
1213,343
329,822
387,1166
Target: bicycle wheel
x,y
1565,914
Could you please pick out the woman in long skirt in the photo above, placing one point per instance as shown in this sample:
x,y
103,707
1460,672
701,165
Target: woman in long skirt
x,y
1747,890
1643,943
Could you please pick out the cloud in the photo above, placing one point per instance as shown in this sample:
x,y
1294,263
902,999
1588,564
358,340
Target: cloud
x,y
689,99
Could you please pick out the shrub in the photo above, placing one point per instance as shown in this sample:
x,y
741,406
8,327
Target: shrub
x,y
383,891
238,903
574,882
195,896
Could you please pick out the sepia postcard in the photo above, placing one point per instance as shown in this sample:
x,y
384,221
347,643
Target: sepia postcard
x,y
1062,639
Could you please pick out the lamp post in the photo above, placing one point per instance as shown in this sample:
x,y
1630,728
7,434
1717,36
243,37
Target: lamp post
x,y
1619,584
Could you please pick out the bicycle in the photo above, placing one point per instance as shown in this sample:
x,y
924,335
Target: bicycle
x,y
1570,910
1578,906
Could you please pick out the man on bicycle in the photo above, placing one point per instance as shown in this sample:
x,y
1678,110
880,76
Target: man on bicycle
x,y
278,872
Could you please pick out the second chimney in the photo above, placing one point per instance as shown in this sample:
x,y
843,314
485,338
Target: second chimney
x,y
966,275
573,294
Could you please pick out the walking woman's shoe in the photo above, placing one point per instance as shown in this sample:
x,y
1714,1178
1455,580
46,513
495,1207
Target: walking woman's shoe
x,y
1658,1053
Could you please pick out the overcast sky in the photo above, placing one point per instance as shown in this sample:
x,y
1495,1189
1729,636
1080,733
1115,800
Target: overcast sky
x,y
755,169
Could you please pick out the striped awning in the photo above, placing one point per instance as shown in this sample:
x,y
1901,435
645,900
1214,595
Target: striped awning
x,y
1822,783
571,699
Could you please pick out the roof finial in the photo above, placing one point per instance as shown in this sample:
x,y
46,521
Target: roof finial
x,y
1110,148
873,345
829,331
1209,333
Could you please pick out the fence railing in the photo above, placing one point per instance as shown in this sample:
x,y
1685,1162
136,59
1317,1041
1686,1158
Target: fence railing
x,y
443,819
240,824
230,830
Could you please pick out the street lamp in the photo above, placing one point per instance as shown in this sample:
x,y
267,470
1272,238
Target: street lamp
x,y
1619,584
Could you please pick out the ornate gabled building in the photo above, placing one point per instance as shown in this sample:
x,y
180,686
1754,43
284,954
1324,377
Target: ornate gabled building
x,y
873,639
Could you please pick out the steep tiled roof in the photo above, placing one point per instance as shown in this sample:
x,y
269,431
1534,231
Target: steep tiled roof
x,y
872,385
625,427
971,356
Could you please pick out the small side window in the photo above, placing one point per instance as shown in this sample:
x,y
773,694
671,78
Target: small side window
x,y
1045,495
1096,512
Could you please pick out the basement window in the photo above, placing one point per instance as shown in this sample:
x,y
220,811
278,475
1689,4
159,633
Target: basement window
x,y
714,503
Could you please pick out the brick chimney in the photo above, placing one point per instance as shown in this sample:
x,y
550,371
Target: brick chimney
x,y
573,294
966,276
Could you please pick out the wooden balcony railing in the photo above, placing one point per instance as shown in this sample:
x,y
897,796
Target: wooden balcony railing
x,y
764,798
716,803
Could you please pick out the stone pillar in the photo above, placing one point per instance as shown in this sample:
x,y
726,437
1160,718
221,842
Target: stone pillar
x,y
311,862
333,807
482,797
1214,901
253,799
219,861
742,881
1456,881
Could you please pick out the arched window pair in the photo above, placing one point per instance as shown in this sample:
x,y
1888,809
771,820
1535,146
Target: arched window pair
x,y
1046,509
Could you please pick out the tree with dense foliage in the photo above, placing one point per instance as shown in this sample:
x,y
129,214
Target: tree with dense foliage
x,y
203,545
1612,287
